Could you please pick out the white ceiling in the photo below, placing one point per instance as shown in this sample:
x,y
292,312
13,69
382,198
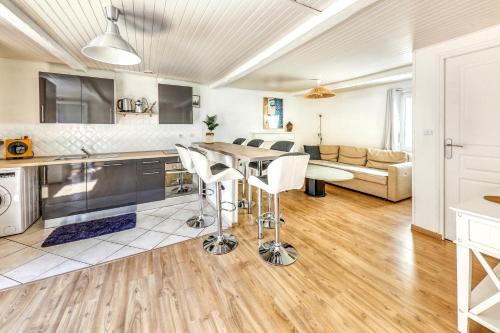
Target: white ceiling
x,y
378,38
204,40
194,40
15,45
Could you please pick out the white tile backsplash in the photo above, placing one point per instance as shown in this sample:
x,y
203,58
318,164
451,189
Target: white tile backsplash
x,y
132,133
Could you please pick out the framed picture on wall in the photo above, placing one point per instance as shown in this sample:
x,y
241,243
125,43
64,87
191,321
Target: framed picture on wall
x,y
196,101
273,113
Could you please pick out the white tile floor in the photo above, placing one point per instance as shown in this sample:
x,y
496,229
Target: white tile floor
x,y
22,259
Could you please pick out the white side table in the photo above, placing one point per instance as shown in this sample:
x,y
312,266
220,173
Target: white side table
x,y
478,233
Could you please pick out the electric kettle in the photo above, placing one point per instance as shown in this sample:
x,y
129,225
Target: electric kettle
x,y
125,105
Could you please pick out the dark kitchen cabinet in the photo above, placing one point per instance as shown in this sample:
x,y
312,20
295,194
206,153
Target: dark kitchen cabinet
x,y
150,180
111,184
97,101
64,190
66,90
48,113
175,104
75,99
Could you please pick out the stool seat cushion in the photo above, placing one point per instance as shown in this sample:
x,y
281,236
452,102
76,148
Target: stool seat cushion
x,y
218,167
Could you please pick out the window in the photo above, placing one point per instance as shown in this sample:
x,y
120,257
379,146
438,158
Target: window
x,y
405,118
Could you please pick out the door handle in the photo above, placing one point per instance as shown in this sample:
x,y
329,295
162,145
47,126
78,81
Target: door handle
x,y
448,142
151,173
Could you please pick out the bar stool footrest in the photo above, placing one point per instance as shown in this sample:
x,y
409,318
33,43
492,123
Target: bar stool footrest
x,y
268,220
232,209
207,191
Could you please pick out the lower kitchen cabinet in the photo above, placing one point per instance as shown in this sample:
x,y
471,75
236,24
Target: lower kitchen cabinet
x,y
150,180
111,184
64,190
70,189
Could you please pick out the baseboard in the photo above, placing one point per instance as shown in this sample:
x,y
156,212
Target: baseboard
x,y
416,228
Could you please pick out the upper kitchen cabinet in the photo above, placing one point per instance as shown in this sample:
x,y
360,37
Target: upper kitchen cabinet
x,y
175,104
76,99
60,98
97,101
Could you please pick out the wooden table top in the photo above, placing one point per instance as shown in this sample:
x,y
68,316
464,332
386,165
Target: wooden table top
x,y
241,152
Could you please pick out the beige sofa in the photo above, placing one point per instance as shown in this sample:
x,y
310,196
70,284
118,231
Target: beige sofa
x,y
383,173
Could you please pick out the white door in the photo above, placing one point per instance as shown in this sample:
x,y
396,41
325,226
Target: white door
x,y
472,120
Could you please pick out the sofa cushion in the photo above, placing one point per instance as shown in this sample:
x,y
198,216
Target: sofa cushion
x,y
360,172
313,152
352,155
329,152
381,159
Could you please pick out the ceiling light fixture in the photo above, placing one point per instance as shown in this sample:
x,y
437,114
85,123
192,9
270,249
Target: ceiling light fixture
x,y
110,47
319,92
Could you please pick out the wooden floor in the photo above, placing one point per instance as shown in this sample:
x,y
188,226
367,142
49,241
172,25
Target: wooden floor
x,y
360,270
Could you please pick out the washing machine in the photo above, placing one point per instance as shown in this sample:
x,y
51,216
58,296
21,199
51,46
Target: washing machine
x,y
19,199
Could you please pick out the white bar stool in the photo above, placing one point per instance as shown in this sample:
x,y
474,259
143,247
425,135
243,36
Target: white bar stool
x,y
201,220
219,243
267,218
285,173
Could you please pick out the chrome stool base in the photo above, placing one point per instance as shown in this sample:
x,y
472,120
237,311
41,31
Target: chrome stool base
x,y
183,190
200,221
278,254
243,203
217,245
268,220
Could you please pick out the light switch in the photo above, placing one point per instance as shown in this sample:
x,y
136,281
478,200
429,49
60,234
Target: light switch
x,y
428,131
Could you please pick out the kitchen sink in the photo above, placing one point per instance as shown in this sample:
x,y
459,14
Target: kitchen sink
x,y
99,156
81,157
70,157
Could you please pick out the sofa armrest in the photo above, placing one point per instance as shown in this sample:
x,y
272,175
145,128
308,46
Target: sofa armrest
x,y
399,181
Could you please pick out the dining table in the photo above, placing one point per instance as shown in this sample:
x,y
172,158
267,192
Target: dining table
x,y
234,155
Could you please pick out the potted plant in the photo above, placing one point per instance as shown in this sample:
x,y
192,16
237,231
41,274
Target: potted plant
x,y
211,122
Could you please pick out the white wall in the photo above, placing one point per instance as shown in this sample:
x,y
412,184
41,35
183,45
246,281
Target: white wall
x,y
240,113
355,117
428,122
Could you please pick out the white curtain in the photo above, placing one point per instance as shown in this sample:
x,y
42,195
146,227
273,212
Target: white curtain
x,y
392,121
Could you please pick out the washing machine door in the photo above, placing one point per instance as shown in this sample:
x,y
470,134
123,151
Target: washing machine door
x,y
5,200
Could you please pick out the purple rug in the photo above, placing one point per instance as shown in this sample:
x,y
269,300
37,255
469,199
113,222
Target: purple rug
x,y
78,231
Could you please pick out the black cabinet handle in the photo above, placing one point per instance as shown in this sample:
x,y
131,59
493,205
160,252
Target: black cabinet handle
x,y
114,164
150,162
151,173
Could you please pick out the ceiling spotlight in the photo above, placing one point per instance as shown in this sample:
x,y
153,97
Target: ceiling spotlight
x,y
110,47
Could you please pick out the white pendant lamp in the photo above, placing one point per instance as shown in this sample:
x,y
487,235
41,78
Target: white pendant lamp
x,y
110,47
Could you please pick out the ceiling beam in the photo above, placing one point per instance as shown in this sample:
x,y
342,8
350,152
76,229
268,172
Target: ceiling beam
x,y
397,74
22,22
333,15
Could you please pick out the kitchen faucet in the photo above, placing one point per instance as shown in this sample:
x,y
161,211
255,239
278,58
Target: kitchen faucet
x,y
85,151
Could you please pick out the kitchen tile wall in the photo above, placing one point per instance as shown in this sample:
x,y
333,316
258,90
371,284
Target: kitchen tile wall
x,y
132,134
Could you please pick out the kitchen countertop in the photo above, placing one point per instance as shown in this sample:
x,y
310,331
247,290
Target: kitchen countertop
x,y
51,160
